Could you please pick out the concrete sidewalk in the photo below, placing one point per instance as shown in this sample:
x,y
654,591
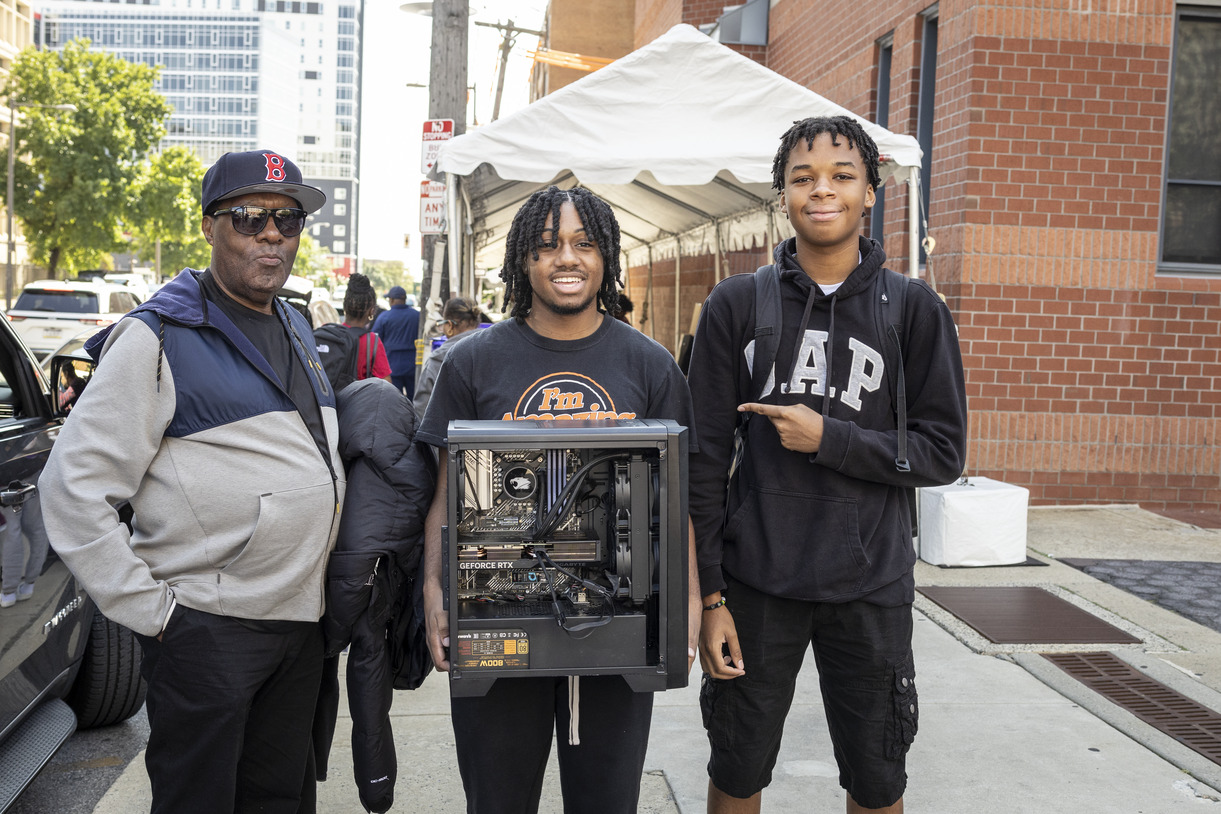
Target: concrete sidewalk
x,y
1000,728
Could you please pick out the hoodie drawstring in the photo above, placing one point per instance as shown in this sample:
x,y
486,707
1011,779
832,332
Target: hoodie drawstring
x,y
826,389
801,332
160,348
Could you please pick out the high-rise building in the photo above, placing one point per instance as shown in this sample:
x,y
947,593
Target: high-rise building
x,y
245,74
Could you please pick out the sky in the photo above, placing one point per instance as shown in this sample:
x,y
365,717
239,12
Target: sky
x,y
396,52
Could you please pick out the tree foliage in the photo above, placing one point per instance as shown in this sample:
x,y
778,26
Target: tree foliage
x,y
384,274
78,169
166,208
312,262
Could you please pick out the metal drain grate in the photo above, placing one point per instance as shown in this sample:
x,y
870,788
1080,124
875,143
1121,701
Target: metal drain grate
x,y
1191,724
1025,615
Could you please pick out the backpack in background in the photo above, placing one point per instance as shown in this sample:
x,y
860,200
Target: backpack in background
x,y
338,349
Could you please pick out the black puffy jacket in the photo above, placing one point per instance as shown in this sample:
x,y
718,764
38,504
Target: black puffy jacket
x,y
369,577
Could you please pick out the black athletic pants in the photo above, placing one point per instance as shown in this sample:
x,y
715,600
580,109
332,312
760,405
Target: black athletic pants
x,y
230,709
504,738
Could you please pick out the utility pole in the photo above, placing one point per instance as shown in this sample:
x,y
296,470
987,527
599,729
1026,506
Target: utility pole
x,y
510,32
446,100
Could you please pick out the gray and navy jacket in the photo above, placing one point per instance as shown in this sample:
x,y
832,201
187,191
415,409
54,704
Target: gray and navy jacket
x,y
235,506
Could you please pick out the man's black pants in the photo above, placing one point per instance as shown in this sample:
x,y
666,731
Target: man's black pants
x,y
230,709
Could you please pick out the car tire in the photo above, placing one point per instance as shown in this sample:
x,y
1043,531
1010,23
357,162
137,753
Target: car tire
x,y
108,687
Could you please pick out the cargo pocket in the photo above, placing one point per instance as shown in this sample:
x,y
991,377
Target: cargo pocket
x,y
905,710
714,706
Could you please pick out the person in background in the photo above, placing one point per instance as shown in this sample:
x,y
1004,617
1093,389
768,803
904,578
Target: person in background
x,y
399,329
625,308
359,302
461,318
210,414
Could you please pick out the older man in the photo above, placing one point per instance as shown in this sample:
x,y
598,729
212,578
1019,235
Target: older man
x,y
210,414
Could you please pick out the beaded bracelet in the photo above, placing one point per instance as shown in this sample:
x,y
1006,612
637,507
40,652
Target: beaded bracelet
x,y
715,605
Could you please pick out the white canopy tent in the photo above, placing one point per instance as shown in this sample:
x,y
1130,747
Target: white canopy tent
x,y
678,136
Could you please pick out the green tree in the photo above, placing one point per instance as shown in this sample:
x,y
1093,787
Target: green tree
x,y
312,262
76,181
165,212
384,274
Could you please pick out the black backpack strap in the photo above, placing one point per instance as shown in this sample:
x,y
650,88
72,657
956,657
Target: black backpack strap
x,y
891,306
370,354
768,323
767,339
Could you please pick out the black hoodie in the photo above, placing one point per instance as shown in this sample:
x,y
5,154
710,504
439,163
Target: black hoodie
x,y
834,525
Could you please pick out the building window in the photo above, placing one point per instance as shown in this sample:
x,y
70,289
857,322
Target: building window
x,y
924,111
881,116
341,210
340,230
341,193
1191,215
339,246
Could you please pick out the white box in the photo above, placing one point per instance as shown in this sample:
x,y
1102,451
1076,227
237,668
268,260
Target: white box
x,y
979,522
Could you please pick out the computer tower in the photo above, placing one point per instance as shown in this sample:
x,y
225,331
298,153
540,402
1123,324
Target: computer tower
x,y
565,551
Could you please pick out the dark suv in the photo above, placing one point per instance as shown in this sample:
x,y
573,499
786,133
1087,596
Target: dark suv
x,y
62,664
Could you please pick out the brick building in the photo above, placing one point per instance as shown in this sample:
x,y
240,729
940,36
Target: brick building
x,y
1073,187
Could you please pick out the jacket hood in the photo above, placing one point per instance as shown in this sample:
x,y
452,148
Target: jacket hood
x,y
376,421
181,300
873,258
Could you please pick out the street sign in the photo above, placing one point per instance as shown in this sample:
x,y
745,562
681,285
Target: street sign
x,y
436,133
432,207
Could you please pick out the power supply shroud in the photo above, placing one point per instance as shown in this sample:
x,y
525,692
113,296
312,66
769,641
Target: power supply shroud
x,y
565,551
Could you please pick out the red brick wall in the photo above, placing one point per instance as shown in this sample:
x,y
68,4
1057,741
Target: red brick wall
x,y
656,17
1090,376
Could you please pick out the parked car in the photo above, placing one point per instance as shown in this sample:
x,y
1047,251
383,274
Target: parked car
x,y
71,347
138,283
63,665
49,311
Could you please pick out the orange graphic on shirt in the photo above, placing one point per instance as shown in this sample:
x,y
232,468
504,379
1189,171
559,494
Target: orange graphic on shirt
x,y
565,396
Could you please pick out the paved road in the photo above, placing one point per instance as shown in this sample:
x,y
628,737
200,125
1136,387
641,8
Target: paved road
x,y
83,771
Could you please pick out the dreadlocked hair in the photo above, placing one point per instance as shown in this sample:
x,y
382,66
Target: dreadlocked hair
x,y
526,236
360,298
809,129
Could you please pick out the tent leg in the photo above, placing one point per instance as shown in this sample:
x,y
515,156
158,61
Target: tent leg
x,y
678,273
458,276
913,224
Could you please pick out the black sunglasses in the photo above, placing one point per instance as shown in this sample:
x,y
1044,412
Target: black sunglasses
x,y
250,220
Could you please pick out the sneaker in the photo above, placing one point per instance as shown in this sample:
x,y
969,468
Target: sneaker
x,y
8,600
24,591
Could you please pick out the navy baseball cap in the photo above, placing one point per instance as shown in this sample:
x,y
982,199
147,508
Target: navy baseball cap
x,y
236,174
396,293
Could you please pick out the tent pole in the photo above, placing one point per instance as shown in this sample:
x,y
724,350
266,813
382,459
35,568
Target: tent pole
x,y
913,227
771,231
457,274
648,297
717,251
678,271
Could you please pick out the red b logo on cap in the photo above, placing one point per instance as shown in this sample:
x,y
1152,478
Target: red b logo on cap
x,y
275,167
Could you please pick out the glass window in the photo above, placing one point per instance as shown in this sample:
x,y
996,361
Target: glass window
x,y
62,300
1191,216
339,246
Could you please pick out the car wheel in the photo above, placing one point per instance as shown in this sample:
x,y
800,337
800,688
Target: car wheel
x,y
109,687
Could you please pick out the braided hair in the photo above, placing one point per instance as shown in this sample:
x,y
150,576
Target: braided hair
x,y
526,236
360,299
809,129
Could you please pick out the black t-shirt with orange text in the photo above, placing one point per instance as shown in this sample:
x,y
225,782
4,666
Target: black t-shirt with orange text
x,y
509,372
